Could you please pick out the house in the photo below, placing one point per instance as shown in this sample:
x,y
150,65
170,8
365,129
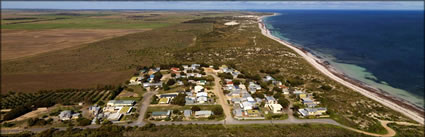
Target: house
x,y
65,115
236,100
271,100
135,80
180,83
198,75
201,82
189,100
237,113
199,89
269,78
185,67
76,115
202,94
275,108
253,113
203,114
250,100
161,114
94,110
147,84
252,87
201,100
109,109
297,92
164,100
187,113
174,69
312,111
115,103
114,117
308,102
302,95
169,95
246,106
195,66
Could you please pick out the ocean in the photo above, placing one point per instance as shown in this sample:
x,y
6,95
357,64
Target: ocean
x,y
382,48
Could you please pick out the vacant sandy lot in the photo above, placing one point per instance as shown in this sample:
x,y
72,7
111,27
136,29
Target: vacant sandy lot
x,y
34,82
23,43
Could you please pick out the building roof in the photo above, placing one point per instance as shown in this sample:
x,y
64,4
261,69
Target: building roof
x,y
161,113
114,116
247,105
202,99
237,112
202,94
276,106
203,112
163,100
198,88
119,102
65,114
168,95
187,113
133,78
270,98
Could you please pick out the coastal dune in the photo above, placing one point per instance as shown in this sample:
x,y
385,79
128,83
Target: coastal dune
x,y
317,63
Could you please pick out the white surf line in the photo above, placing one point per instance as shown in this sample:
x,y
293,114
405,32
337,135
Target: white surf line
x,y
313,61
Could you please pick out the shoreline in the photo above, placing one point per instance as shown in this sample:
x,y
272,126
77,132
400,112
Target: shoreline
x,y
406,108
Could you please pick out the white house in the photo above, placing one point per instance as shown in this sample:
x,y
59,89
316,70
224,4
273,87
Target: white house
x,y
275,108
271,100
203,114
199,89
65,115
115,103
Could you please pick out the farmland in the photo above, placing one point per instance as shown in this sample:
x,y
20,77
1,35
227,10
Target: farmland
x,y
66,97
63,59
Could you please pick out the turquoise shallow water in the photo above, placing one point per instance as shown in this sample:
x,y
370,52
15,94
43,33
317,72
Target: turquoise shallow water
x,y
384,49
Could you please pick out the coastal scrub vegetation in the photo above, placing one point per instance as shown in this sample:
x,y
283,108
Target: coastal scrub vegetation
x,y
151,130
241,46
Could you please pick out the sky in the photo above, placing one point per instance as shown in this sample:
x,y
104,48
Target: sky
x,y
198,5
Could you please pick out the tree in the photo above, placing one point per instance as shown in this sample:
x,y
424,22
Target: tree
x,y
195,108
171,82
283,101
258,95
326,87
180,100
157,76
236,82
217,110
175,111
277,95
100,103
165,87
83,121
31,122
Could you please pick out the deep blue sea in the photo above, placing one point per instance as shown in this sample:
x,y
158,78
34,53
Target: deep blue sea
x,y
384,49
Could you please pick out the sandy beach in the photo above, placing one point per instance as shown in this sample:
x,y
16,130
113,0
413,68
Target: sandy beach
x,y
404,107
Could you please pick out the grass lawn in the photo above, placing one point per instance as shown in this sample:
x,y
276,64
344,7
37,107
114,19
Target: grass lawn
x,y
124,109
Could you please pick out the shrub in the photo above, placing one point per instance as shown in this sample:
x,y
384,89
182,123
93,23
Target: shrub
x,y
195,108
83,121
218,110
